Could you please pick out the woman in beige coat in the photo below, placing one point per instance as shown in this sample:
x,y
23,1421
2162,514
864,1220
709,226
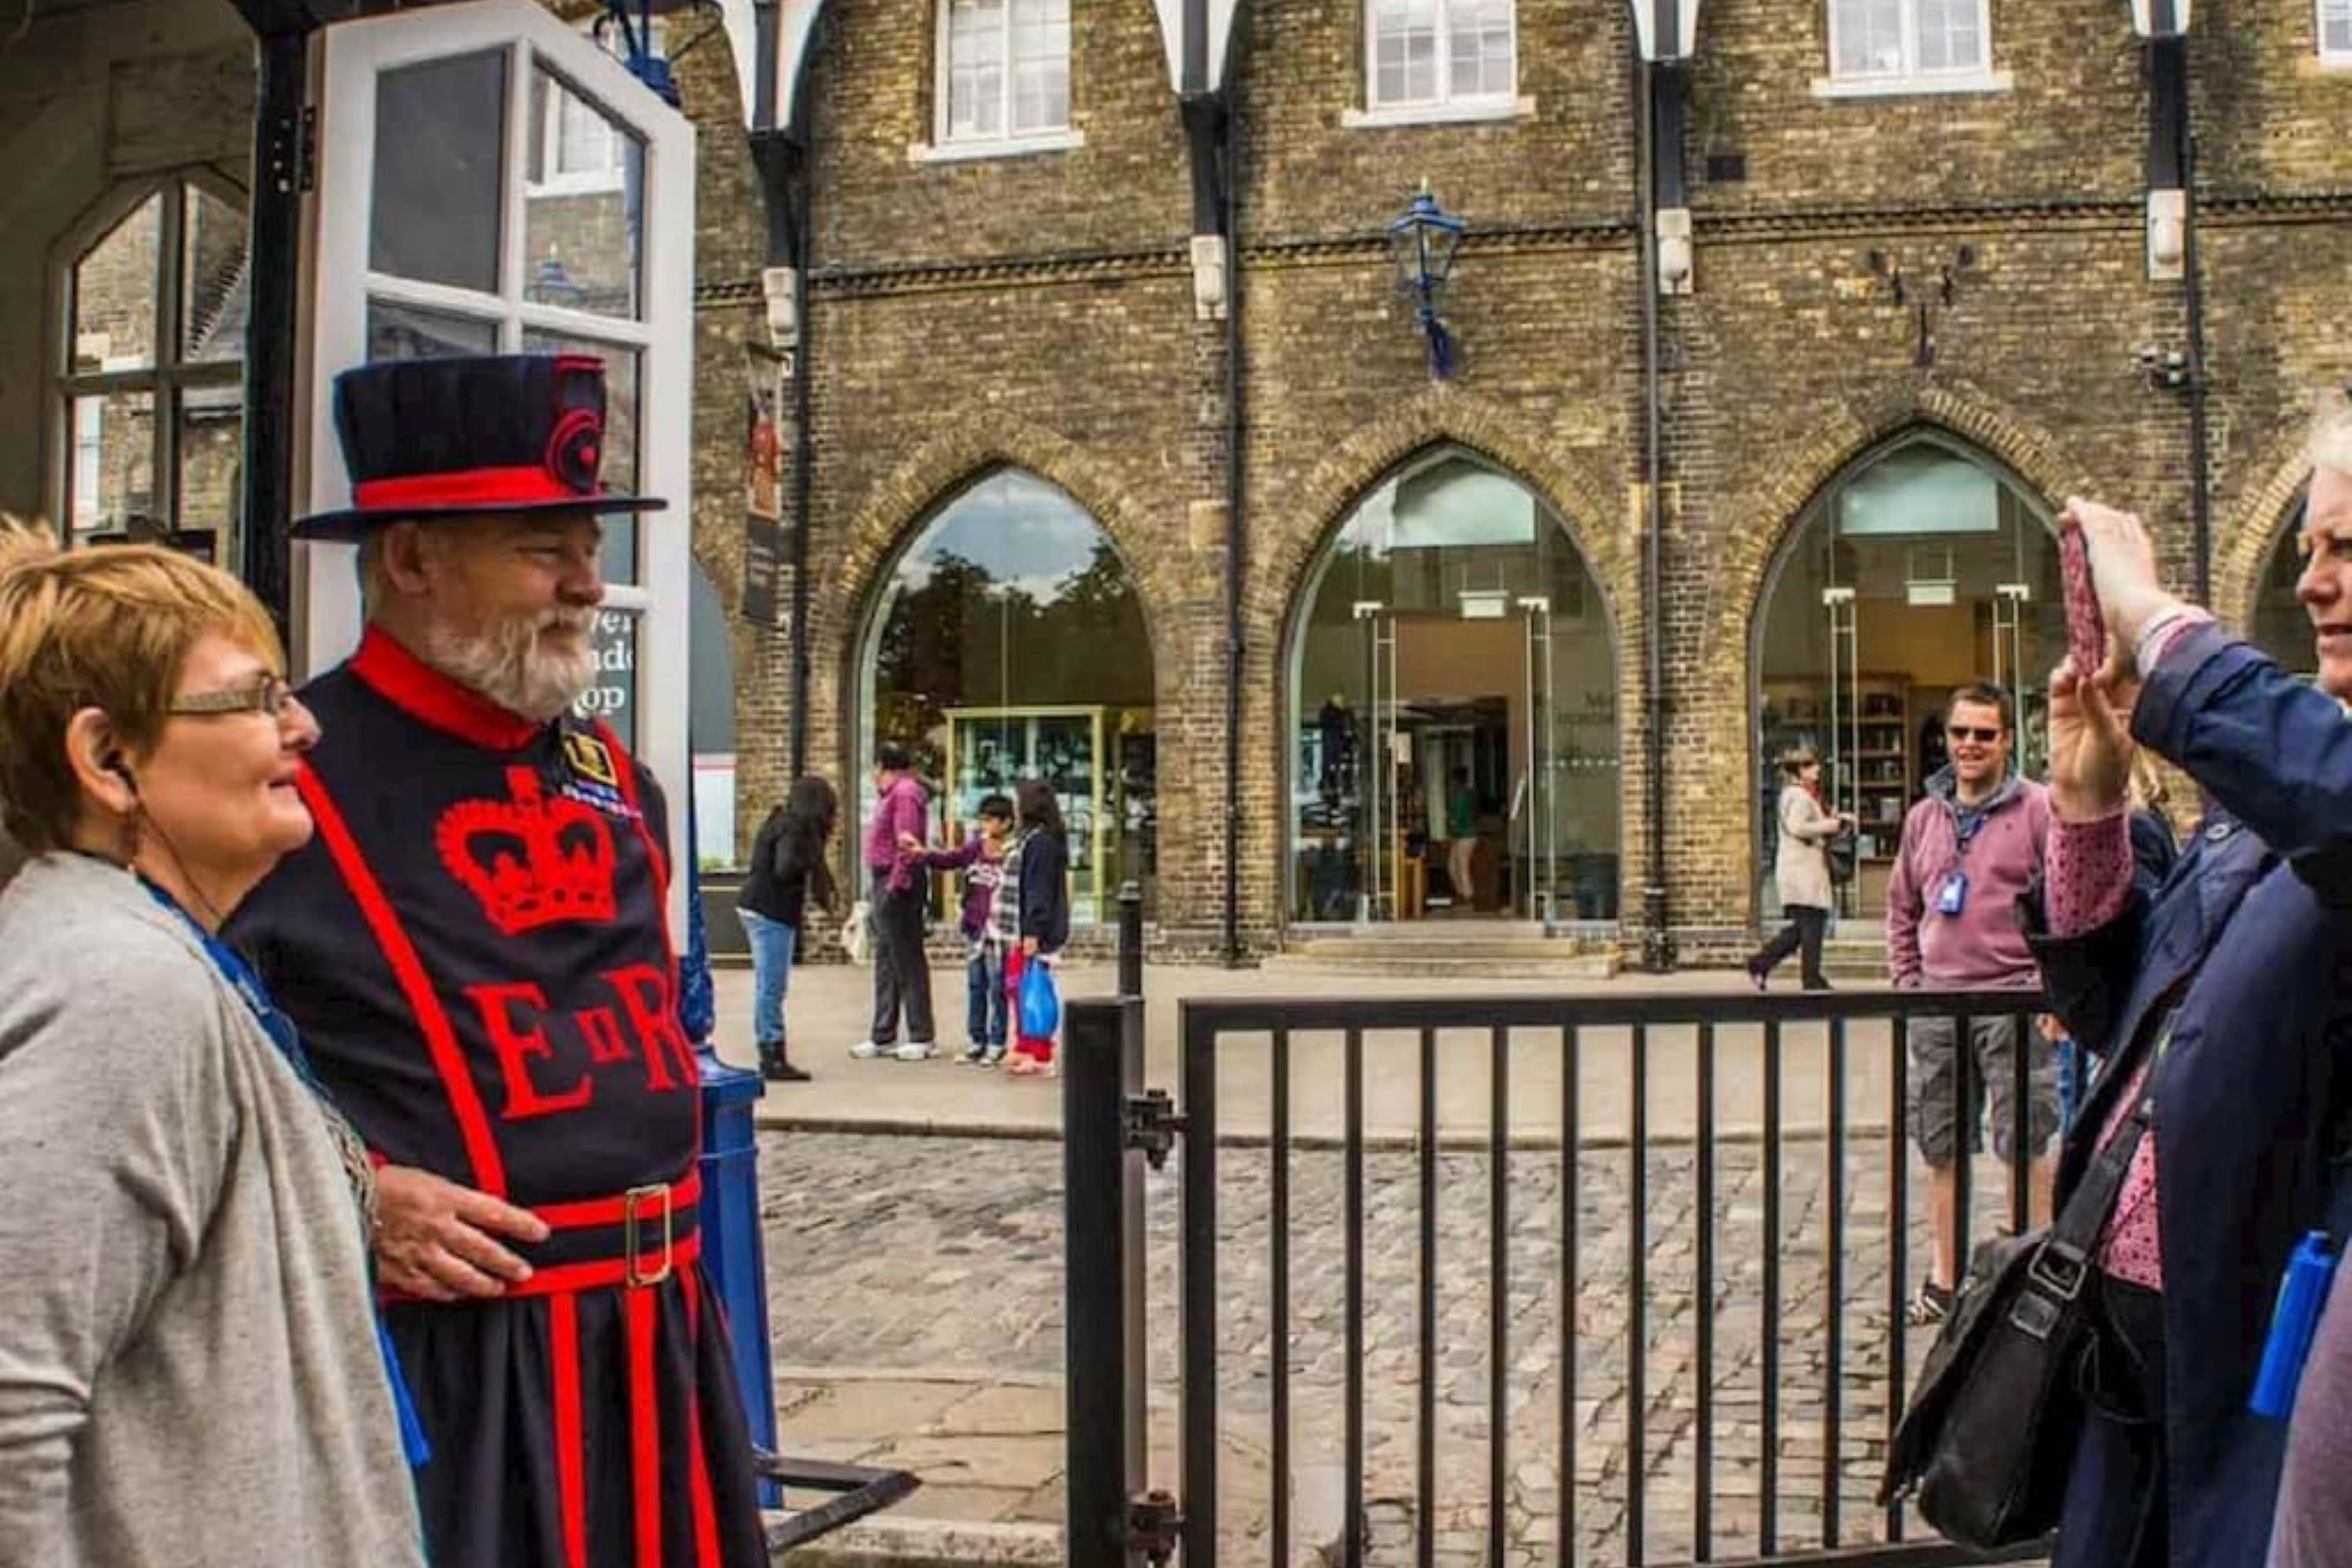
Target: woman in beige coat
x,y
1801,868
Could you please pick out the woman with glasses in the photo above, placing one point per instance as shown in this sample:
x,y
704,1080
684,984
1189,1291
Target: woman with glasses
x,y
190,1368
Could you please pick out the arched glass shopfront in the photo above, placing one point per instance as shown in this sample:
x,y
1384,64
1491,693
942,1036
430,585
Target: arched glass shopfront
x,y
1452,681
1923,568
1007,643
2281,627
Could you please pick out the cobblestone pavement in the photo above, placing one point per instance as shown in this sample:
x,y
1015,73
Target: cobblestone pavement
x,y
917,1301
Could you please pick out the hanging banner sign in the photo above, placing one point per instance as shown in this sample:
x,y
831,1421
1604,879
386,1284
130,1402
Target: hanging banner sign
x,y
763,510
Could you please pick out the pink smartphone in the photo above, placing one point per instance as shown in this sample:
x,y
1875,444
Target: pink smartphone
x,y
2087,628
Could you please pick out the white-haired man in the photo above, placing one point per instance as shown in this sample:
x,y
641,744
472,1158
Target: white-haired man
x,y
475,949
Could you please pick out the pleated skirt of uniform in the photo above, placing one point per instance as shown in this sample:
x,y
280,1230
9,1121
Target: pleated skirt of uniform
x,y
599,1428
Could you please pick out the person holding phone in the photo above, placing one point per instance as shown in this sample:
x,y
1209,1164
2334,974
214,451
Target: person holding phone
x,y
2227,996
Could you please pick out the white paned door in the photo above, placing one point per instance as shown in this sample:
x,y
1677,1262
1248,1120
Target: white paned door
x,y
490,182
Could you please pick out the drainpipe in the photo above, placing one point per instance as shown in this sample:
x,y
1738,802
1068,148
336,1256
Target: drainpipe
x,y
282,158
780,152
2172,244
1214,146
1657,943
2201,501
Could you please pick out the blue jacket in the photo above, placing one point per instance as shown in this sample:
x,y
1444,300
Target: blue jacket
x,y
2258,916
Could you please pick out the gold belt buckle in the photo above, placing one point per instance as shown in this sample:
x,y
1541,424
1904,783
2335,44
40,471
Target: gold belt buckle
x,y
633,1211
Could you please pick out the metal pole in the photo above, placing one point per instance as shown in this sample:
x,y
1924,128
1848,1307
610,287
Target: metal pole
x,y
1131,1262
1094,1161
1657,945
280,160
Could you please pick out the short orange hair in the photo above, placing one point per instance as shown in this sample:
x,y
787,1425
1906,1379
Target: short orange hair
x,y
105,627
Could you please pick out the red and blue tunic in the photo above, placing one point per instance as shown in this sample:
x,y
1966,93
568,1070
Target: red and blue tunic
x,y
475,948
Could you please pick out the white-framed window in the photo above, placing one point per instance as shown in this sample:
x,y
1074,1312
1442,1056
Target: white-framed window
x,y
1426,54
1910,46
2336,32
1004,74
1436,61
576,149
147,427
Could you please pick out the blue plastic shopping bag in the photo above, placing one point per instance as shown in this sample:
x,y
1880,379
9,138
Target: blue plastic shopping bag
x,y
1041,1007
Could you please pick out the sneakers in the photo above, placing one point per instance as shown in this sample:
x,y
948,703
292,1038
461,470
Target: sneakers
x,y
993,1056
971,1055
905,1051
1931,1307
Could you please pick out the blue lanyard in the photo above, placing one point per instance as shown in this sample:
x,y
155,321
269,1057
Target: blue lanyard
x,y
289,1041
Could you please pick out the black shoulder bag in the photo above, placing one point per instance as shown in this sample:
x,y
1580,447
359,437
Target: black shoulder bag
x,y
1989,1437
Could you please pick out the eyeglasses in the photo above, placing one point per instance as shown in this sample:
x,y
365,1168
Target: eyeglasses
x,y
1969,732
270,694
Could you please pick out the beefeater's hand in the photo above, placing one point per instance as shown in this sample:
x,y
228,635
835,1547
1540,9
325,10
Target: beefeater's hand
x,y
434,1239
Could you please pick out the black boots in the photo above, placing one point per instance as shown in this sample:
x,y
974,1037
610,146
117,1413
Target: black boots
x,y
775,1067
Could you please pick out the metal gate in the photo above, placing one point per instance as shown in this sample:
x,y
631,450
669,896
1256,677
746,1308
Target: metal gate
x,y
1798,1472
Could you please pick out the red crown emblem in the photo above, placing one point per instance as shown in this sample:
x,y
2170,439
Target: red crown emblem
x,y
531,861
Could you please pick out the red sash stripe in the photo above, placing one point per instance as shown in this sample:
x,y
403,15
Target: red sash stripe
x,y
626,769
644,1426
684,1194
563,1330
440,1039
705,1509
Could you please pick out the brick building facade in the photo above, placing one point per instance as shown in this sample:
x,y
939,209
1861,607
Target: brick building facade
x,y
1036,311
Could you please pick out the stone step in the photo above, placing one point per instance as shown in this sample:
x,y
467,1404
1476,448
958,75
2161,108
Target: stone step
x,y
1412,960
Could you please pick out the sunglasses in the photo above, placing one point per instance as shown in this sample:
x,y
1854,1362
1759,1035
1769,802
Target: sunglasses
x,y
1969,732
270,694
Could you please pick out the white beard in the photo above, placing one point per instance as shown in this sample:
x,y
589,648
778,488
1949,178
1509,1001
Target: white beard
x,y
507,665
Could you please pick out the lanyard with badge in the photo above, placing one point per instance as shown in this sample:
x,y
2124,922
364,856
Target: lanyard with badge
x,y
1952,892
353,1152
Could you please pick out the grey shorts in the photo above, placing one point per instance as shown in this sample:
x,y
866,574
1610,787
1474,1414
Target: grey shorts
x,y
1935,1063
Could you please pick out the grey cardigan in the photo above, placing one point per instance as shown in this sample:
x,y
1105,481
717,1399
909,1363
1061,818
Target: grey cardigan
x,y
189,1375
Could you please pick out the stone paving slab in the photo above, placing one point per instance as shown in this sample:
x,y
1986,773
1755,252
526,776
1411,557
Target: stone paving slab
x,y
960,1379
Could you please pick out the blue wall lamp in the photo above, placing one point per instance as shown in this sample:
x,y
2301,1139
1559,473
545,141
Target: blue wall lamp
x,y
1423,242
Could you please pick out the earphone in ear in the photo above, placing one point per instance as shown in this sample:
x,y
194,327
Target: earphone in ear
x,y
122,770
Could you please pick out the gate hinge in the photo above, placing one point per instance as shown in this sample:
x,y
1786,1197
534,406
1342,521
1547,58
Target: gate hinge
x,y
1154,1518
294,152
1151,1124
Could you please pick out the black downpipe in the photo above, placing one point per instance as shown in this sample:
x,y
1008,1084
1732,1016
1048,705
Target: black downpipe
x,y
1657,945
2172,166
280,159
780,154
2201,482
1236,555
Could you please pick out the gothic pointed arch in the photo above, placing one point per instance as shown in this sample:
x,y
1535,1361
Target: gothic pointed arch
x,y
2255,527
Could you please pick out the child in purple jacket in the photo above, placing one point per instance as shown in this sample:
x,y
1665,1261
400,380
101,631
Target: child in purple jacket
x,y
980,859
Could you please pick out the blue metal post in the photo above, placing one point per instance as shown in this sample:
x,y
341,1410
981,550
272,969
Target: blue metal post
x,y
732,1253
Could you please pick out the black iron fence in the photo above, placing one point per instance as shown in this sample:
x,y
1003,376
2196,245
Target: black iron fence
x,y
1590,1457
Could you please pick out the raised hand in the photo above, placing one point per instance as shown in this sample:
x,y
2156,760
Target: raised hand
x,y
2122,567
2090,739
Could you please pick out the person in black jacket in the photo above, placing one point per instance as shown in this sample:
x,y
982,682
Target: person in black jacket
x,y
787,865
1033,909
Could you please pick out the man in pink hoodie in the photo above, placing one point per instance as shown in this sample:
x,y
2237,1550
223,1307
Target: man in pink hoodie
x,y
1970,847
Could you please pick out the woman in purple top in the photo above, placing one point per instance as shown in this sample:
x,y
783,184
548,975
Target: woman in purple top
x,y
902,974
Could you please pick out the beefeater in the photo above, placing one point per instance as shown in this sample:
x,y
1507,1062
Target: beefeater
x,y
475,949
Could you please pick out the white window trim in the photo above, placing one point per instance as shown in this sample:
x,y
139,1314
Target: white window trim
x,y
1911,80
1920,84
1445,109
947,148
973,150
594,183
2329,60
1473,111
